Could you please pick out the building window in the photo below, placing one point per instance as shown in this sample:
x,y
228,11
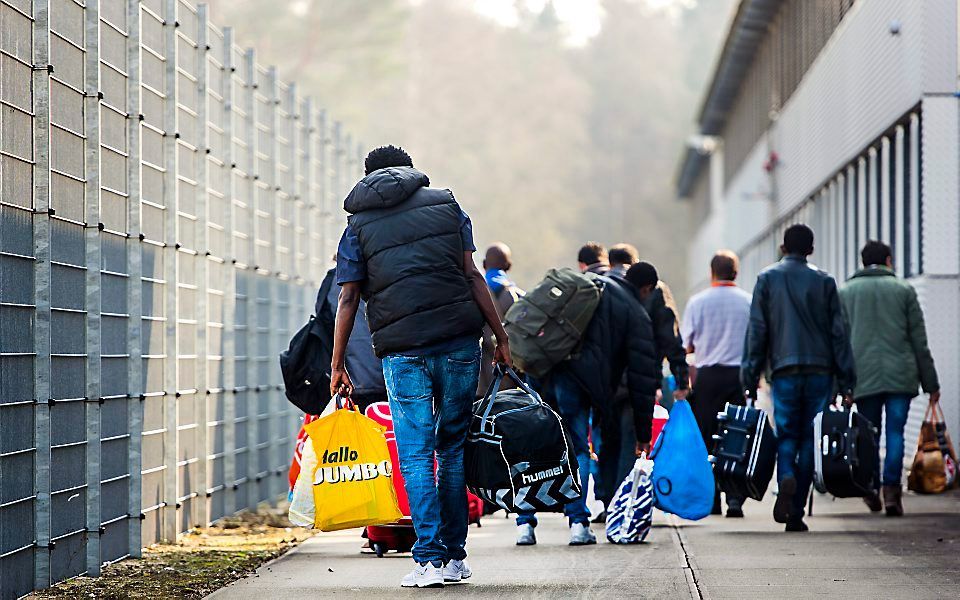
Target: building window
x,y
875,196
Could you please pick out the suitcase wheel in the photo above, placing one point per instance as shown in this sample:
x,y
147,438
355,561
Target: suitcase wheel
x,y
378,548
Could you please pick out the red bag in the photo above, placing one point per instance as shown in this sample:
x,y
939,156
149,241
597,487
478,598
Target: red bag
x,y
660,417
302,438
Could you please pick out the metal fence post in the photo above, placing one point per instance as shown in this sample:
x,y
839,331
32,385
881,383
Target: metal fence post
x,y
42,267
319,199
134,282
93,227
169,252
250,396
201,516
230,288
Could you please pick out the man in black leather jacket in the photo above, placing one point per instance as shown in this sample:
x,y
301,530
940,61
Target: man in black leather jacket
x,y
797,332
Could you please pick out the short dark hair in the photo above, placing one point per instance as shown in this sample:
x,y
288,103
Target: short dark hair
x,y
386,156
798,239
592,253
623,254
875,253
642,274
497,257
725,265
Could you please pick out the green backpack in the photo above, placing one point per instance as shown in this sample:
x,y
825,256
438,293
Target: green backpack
x,y
545,325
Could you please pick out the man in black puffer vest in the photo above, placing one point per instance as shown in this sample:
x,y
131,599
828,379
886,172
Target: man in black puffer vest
x,y
408,252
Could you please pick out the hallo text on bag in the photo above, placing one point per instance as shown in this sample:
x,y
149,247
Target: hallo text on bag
x,y
339,455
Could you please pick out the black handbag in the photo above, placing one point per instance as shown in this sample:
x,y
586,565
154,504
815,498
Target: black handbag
x,y
518,453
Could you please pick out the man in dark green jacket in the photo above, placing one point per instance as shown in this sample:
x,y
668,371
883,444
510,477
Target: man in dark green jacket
x,y
892,358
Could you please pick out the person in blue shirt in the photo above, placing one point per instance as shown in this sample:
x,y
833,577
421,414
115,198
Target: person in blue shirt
x,y
408,252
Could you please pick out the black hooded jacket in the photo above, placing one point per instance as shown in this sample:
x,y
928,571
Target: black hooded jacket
x,y
660,306
416,291
619,341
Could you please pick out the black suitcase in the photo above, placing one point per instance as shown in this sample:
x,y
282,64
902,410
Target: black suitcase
x,y
745,451
845,453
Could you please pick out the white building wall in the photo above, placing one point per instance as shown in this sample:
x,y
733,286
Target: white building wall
x,y
864,81
746,210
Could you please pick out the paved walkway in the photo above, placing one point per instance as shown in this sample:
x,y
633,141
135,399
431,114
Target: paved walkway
x,y
847,554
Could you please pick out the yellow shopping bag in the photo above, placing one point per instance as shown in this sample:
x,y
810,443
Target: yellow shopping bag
x,y
352,480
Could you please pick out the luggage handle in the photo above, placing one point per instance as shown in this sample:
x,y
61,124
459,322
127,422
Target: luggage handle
x,y
499,372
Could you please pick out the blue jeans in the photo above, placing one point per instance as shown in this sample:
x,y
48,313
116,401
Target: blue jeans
x,y
430,400
897,408
574,408
796,401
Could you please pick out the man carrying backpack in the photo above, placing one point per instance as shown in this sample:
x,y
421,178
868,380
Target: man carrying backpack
x,y
366,370
592,258
617,340
408,252
496,264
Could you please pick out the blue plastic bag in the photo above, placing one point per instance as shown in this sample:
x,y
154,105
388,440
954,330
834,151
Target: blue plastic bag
x,y
682,475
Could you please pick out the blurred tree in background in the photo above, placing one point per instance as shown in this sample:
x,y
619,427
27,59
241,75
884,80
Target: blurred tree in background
x,y
545,143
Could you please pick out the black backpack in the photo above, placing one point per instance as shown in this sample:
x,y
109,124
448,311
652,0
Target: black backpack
x,y
518,454
306,363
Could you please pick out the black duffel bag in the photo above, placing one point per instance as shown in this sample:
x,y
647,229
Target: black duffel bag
x,y
518,453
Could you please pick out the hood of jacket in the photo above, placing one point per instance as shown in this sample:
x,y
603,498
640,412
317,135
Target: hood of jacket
x,y
384,188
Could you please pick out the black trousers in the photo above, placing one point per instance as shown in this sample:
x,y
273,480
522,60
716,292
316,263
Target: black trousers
x,y
714,387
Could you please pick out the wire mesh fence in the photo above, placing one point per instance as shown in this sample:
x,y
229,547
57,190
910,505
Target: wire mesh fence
x,y
165,219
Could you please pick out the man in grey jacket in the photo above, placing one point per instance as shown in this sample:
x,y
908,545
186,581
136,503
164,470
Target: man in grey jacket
x,y
797,332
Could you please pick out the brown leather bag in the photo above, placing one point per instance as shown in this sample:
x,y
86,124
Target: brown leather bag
x,y
928,475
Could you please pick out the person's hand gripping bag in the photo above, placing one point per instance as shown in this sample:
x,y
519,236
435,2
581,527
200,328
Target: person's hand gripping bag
x,y
352,481
682,475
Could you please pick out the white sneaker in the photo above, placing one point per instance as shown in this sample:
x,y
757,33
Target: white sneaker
x,y
580,535
425,575
456,570
526,536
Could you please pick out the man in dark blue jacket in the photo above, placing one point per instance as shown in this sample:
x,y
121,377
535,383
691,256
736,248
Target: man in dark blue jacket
x,y
617,344
797,332
408,252
366,370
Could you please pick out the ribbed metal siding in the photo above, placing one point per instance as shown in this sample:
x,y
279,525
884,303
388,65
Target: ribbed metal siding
x,y
794,40
167,214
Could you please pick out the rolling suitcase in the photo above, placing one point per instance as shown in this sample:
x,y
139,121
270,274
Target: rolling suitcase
x,y
398,536
845,453
745,451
